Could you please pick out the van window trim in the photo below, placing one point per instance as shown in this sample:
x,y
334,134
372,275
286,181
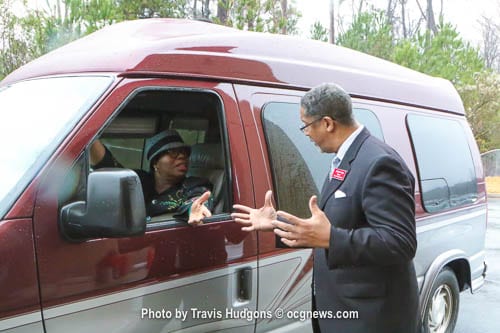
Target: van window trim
x,y
10,200
170,223
454,117
276,193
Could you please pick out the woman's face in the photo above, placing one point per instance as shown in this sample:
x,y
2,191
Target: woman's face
x,y
173,164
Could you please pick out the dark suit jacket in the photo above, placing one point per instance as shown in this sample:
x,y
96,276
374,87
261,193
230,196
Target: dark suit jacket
x,y
368,267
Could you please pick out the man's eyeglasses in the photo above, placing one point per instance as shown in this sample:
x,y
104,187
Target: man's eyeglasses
x,y
309,124
175,152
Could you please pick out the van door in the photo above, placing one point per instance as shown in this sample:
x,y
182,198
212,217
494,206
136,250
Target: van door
x,y
20,305
295,170
271,119
28,137
175,276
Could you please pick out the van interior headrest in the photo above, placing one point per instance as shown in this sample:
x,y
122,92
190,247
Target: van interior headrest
x,y
206,155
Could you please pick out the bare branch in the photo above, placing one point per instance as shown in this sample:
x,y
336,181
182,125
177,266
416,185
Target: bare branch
x,y
491,42
332,22
421,10
431,22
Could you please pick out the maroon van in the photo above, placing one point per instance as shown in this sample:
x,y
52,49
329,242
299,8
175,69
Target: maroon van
x,y
77,252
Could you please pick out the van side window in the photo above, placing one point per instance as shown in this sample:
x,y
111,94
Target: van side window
x,y
195,115
444,161
370,120
74,184
126,150
299,169
295,162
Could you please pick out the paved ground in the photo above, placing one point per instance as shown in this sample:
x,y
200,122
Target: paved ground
x,y
480,313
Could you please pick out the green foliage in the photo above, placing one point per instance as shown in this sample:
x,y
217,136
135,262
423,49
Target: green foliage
x,y
445,55
279,20
482,108
246,15
16,48
38,32
69,20
133,9
370,33
319,32
260,15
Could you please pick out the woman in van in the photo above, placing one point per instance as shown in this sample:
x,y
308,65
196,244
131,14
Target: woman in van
x,y
165,187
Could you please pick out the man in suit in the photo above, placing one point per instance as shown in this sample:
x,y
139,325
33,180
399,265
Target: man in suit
x,y
362,231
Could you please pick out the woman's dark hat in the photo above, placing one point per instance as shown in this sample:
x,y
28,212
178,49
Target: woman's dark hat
x,y
162,142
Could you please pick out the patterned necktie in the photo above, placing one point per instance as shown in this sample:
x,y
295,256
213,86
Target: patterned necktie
x,y
335,164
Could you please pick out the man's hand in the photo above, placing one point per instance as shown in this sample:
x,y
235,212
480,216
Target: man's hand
x,y
311,232
256,218
199,210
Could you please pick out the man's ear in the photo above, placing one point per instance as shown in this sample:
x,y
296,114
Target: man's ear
x,y
330,124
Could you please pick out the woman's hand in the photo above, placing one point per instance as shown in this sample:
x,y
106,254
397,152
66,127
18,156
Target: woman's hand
x,y
198,210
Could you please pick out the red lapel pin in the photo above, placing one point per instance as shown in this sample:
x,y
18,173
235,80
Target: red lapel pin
x,y
338,174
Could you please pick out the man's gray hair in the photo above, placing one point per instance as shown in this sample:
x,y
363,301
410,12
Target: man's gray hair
x,y
328,99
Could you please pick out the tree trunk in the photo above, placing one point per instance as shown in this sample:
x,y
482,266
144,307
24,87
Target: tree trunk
x,y
403,18
491,42
284,13
222,11
390,10
332,22
360,8
205,9
391,7
431,22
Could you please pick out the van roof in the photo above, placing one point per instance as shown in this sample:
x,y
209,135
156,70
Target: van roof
x,y
200,49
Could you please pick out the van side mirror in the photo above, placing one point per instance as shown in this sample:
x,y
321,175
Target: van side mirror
x,y
114,207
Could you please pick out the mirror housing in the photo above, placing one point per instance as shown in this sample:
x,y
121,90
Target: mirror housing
x,y
114,207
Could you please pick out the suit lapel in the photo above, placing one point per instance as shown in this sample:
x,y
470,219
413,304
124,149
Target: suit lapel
x,y
330,186
324,190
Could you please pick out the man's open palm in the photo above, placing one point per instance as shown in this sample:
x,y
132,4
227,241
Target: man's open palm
x,y
258,219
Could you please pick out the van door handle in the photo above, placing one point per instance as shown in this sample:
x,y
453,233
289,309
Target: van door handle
x,y
244,283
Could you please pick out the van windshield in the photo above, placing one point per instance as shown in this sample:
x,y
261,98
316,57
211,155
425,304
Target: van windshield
x,y
35,116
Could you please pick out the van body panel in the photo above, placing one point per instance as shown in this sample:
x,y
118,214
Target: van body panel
x,y
70,273
252,100
391,117
290,295
27,323
23,207
166,46
462,230
160,307
18,276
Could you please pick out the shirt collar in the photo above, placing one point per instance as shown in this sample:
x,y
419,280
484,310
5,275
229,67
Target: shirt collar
x,y
348,142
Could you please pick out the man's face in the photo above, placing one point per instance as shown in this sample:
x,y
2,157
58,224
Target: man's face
x,y
173,164
314,128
